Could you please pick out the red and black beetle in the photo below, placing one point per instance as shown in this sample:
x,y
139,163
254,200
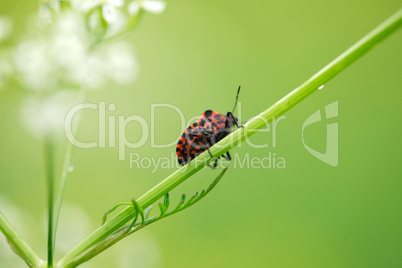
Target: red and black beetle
x,y
210,128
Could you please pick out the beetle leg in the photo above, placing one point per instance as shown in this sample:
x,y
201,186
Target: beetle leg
x,y
207,131
215,164
218,136
227,157
230,115
204,136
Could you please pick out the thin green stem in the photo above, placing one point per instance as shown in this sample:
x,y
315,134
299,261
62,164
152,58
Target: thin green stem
x,y
49,158
62,186
66,169
18,244
259,122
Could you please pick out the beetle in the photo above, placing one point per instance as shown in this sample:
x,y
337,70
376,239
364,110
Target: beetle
x,y
209,129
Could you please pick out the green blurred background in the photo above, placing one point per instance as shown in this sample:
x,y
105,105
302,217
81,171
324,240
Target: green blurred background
x,y
194,55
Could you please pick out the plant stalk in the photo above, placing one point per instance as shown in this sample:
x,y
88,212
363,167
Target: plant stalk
x,y
49,158
18,244
262,120
65,171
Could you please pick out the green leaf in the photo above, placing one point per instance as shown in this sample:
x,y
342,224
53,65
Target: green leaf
x,y
111,210
181,202
162,209
166,201
138,211
195,198
190,201
147,211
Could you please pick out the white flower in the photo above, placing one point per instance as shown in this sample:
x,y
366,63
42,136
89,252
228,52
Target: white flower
x,y
45,115
115,63
153,6
90,74
56,59
49,9
110,10
118,24
120,63
6,26
84,5
32,64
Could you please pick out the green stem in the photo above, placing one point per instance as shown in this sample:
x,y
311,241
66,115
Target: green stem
x,y
63,181
49,157
259,122
18,245
65,171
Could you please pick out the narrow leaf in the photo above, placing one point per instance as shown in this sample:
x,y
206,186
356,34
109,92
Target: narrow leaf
x,y
162,209
113,209
166,201
181,203
183,197
190,201
147,211
140,210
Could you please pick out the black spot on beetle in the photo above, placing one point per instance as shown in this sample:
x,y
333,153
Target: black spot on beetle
x,y
208,113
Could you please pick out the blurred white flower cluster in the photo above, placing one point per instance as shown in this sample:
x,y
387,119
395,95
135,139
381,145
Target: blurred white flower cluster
x,y
62,53
119,15
61,56
6,26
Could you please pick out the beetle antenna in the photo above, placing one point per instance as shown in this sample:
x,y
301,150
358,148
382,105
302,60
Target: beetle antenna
x,y
237,97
